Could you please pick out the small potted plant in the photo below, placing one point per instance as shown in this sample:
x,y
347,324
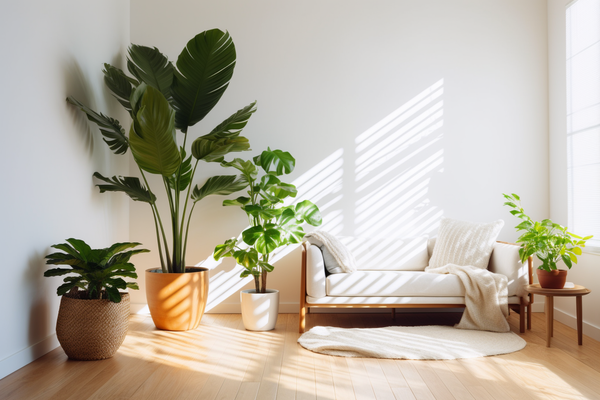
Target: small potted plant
x,y
94,315
549,242
272,225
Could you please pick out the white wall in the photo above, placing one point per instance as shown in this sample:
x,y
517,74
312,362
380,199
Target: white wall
x,y
587,271
48,154
398,113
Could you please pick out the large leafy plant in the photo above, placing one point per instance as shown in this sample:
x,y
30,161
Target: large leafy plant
x,y
98,272
272,225
161,98
548,241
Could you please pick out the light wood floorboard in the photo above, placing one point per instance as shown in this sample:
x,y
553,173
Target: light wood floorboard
x,y
221,360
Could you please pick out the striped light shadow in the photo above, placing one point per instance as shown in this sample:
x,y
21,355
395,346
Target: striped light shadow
x,y
395,161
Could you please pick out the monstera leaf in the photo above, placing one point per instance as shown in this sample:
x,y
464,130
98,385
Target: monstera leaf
x,y
281,161
204,69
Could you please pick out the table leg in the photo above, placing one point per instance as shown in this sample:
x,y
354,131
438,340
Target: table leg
x,y
549,319
579,320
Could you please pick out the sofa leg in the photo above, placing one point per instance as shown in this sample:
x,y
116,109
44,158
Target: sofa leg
x,y
393,313
302,319
522,317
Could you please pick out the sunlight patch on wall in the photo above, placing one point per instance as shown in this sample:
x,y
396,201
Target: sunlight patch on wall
x,y
395,162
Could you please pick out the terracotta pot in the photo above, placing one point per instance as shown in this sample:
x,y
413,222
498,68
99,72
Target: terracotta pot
x,y
92,329
554,279
177,301
259,310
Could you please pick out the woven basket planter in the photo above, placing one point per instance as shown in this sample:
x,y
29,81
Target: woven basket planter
x,y
92,329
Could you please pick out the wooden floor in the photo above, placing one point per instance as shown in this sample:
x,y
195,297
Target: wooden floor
x,y
220,360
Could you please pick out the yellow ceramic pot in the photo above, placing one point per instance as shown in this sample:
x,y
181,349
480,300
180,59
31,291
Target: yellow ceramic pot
x,y
177,300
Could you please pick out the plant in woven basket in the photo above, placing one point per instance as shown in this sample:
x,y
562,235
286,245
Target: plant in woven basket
x,y
98,272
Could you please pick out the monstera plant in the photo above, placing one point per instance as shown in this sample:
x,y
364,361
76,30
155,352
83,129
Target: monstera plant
x,y
161,98
272,225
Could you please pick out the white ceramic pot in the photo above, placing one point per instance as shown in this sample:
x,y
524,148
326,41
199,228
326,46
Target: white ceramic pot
x,y
259,310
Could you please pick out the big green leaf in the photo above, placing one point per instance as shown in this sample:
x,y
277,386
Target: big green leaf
x,y
307,211
152,135
291,233
268,241
111,129
225,249
150,66
128,185
204,69
281,161
248,258
251,235
233,125
120,84
221,185
214,150
283,190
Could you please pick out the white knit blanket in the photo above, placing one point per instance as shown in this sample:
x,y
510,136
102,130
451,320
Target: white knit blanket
x,y
340,253
486,297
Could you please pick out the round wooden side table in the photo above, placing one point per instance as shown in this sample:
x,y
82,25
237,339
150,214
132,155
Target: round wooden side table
x,y
577,291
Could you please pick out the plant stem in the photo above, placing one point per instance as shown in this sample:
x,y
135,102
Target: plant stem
x,y
187,198
175,265
256,284
157,216
187,228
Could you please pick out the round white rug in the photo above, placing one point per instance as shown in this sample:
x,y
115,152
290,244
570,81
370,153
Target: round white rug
x,y
431,342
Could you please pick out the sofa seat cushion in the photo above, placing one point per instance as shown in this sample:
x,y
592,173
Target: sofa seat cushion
x,y
394,283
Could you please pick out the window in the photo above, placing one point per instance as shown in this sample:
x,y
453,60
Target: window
x,y
583,118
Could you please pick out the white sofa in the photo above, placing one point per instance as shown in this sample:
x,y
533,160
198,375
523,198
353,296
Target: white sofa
x,y
392,276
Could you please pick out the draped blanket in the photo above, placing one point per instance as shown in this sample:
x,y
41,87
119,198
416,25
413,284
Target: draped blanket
x,y
486,297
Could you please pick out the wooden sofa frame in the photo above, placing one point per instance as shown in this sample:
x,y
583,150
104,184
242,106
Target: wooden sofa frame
x,y
522,309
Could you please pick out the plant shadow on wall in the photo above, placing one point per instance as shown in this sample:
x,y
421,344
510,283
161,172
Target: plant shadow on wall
x,y
387,186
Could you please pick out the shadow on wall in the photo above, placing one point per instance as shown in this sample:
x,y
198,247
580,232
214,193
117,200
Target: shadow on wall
x,y
387,184
77,85
41,320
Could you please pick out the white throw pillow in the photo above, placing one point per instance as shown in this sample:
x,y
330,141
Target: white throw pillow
x,y
464,243
331,264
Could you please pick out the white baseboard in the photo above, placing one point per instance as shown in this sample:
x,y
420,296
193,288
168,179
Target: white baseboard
x,y
20,359
568,319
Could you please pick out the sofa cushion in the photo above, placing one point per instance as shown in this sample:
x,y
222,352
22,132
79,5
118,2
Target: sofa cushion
x,y
464,243
394,283
388,254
